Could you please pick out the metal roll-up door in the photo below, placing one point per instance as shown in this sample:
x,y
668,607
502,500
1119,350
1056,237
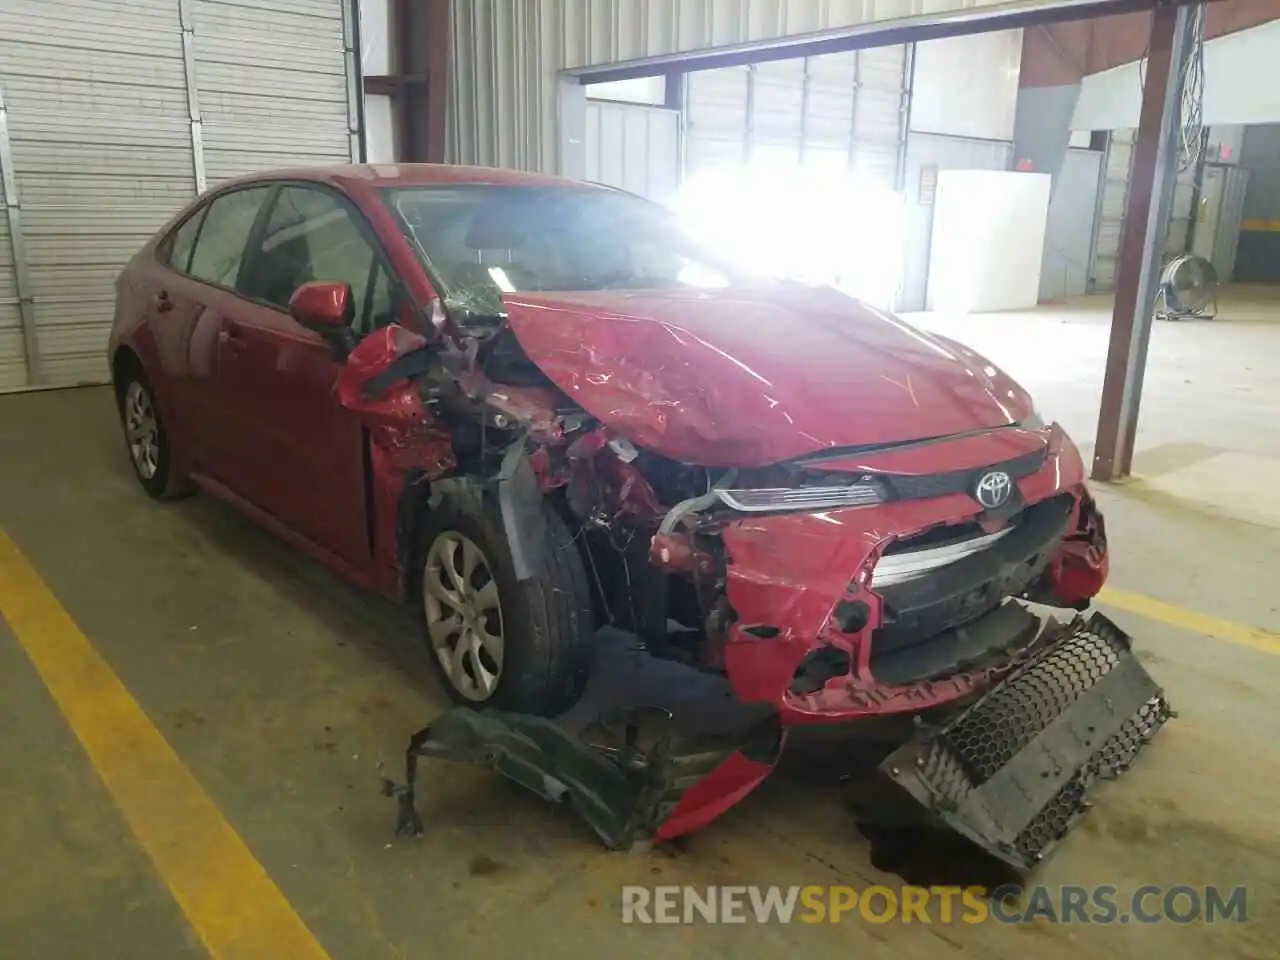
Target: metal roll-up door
x,y
101,153
1111,203
835,112
103,103
880,113
273,84
716,110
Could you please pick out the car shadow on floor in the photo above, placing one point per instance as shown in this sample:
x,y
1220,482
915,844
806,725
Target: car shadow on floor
x,y
388,632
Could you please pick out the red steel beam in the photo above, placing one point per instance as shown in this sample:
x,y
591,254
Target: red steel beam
x,y
1109,461
419,83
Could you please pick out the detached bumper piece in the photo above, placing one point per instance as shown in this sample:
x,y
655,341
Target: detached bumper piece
x,y
1013,771
634,774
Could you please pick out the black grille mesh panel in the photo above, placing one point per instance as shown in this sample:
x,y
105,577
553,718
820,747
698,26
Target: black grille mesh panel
x,y
1053,822
988,736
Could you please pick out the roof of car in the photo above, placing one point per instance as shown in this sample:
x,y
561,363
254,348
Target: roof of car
x,y
414,174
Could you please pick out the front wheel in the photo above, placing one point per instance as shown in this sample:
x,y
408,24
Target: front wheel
x,y
499,642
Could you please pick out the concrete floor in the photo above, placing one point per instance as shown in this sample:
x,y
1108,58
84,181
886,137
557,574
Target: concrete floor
x,y
282,690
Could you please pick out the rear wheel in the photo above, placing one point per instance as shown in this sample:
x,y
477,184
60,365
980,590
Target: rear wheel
x,y
496,641
145,436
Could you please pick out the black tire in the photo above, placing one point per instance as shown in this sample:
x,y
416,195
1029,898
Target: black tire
x,y
164,483
547,621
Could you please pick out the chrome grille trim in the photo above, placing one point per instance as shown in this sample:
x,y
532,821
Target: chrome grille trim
x,y
910,564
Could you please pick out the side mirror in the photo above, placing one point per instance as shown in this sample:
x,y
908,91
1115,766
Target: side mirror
x,y
326,307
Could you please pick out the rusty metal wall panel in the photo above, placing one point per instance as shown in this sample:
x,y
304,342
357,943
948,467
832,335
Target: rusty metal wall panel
x,y
506,55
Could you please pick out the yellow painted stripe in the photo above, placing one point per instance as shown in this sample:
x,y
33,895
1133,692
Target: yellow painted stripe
x,y
1263,226
231,903
1135,603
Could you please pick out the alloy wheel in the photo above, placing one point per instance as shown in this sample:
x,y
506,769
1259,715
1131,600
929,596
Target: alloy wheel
x,y
141,430
463,614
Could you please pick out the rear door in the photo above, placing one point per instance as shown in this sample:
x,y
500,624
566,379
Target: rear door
x,y
209,281
169,304
275,380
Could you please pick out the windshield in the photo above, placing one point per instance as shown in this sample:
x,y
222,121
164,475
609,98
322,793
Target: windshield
x,y
482,241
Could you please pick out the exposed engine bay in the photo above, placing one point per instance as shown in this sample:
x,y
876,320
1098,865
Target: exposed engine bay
x,y
703,562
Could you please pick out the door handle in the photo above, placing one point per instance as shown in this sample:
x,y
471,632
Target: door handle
x,y
163,303
232,337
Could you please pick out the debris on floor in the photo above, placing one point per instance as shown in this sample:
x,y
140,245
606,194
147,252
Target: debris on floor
x,y
656,749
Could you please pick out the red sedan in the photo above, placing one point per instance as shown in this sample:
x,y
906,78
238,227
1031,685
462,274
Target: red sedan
x,y
533,406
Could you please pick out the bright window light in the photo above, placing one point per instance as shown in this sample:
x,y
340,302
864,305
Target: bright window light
x,y
501,280
811,224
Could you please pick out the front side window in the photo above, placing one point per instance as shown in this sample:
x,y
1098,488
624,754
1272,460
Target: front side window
x,y
481,241
313,235
220,246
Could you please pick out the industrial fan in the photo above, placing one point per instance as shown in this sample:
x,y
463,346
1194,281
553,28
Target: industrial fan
x,y
1188,288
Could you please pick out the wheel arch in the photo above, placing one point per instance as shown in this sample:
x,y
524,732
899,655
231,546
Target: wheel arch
x,y
124,361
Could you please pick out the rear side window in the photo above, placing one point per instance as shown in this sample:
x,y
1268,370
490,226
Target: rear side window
x,y
313,235
220,246
177,247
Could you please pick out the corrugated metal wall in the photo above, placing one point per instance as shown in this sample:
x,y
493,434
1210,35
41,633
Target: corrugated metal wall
x,y
634,147
118,112
507,53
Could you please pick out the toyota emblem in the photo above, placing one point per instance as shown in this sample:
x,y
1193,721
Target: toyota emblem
x,y
993,489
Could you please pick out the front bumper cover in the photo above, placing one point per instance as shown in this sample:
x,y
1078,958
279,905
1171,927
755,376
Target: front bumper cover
x,y
1011,773
654,749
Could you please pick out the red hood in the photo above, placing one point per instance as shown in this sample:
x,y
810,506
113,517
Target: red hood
x,y
751,377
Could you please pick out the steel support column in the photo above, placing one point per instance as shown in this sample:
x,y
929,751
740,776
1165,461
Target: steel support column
x,y
424,47
1146,219
186,22
358,147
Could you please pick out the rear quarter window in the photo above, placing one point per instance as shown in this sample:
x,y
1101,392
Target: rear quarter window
x,y
176,248
220,245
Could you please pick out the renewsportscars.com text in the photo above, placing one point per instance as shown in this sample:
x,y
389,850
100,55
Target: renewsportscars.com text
x,y
1104,904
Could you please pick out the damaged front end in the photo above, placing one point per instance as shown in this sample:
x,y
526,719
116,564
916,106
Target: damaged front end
x,y
737,601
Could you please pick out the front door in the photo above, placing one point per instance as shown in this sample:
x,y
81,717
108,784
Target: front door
x,y
305,454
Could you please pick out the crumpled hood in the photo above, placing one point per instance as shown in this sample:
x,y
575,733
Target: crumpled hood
x,y
748,377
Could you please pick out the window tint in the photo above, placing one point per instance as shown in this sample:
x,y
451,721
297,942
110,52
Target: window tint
x,y
312,235
221,244
179,244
